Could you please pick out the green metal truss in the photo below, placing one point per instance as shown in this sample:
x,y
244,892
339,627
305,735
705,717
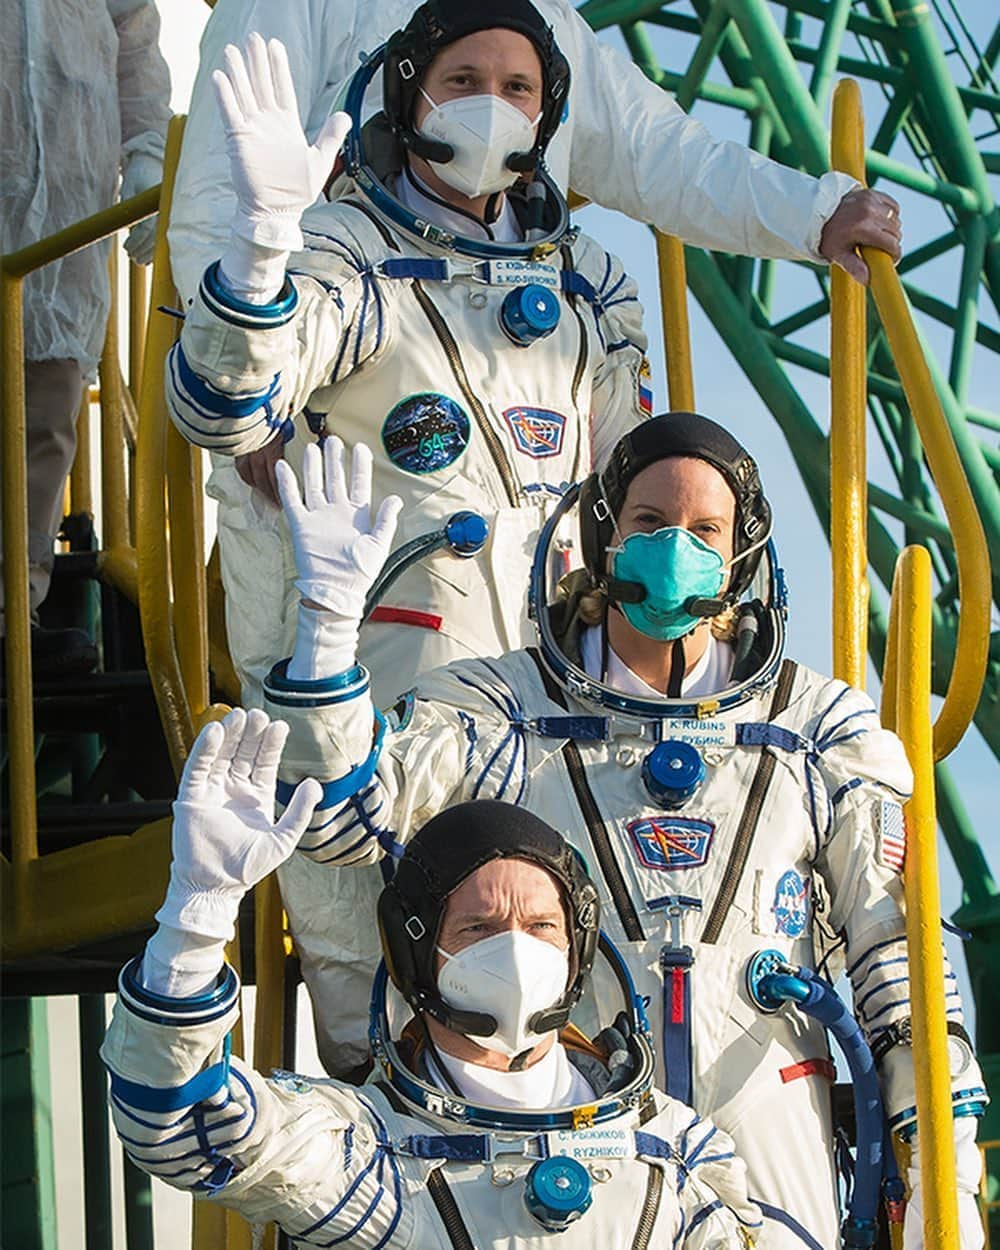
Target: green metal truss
x,y
932,106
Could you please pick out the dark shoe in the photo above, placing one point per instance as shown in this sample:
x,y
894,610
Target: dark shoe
x,y
59,653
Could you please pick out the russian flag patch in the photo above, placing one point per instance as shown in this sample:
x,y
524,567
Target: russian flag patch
x,y
646,388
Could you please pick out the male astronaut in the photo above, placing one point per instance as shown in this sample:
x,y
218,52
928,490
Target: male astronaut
x,y
492,1119
716,789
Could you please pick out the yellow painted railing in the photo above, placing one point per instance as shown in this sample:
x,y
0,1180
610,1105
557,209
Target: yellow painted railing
x,y
907,702
848,450
676,327
972,647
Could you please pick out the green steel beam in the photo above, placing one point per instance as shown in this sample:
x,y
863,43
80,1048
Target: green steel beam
x,y
27,1163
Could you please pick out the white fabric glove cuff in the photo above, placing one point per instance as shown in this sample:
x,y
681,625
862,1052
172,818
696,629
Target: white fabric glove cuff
x,y
204,913
325,644
178,964
252,272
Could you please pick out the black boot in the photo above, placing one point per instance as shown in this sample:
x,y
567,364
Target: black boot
x,y
59,653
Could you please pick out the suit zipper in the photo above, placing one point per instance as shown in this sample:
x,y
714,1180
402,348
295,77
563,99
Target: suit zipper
x,y
610,869
447,1208
650,1208
497,454
581,364
751,815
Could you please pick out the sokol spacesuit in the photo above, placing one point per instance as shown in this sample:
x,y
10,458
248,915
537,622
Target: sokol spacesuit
x,y
451,1146
717,820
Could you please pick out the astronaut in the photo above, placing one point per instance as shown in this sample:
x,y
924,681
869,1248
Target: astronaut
x,y
493,1118
723,794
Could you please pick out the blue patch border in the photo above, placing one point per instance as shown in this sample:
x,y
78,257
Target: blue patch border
x,y
695,824
519,437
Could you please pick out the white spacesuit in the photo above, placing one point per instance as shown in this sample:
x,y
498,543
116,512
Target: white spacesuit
x,y
746,813
415,1158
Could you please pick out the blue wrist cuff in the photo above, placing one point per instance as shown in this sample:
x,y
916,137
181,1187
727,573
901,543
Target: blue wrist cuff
x,y
229,307
338,791
319,692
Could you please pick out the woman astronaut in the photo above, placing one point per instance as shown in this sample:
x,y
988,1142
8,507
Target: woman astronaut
x,y
493,1119
721,792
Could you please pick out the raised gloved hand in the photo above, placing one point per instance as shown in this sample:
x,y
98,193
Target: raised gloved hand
x,y
225,837
969,1168
142,171
339,550
276,172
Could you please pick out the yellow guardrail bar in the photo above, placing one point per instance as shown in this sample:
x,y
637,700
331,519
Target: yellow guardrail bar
x,y
972,646
910,696
848,450
676,326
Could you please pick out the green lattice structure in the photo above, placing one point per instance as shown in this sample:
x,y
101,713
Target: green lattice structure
x,y
932,106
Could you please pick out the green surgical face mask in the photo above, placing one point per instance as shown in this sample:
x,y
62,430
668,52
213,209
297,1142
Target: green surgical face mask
x,y
674,566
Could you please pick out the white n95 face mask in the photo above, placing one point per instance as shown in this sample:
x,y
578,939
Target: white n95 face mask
x,y
482,131
510,976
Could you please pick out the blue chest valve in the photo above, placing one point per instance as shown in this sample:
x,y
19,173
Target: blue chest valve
x,y
557,1192
672,773
529,313
466,533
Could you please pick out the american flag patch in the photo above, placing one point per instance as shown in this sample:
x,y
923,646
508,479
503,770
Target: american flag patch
x,y
646,388
892,835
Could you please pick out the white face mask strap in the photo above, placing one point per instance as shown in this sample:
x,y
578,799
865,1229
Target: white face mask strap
x,y
750,550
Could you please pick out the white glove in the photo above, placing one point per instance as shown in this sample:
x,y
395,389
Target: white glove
x,y
275,172
339,551
225,839
969,1163
142,171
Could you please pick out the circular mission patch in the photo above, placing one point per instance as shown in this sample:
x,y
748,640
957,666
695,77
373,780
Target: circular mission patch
x,y
425,432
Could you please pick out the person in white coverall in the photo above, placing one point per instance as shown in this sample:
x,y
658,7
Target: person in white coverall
x,y
493,1120
86,102
728,801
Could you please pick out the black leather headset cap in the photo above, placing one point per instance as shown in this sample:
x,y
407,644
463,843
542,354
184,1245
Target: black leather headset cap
x,y
450,847
435,25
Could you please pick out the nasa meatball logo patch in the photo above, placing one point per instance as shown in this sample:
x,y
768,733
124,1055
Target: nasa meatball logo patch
x,y
670,842
538,432
791,904
425,432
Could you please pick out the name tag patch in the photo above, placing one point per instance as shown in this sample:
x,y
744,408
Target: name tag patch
x,y
538,432
522,272
701,733
592,1143
669,842
425,432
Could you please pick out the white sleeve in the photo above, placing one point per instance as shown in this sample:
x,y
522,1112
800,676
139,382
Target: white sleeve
x,y
241,371
634,149
456,737
306,1155
143,78
315,34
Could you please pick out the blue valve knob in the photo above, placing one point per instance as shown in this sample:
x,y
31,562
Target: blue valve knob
x,y
672,772
529,313
557,1192
466,533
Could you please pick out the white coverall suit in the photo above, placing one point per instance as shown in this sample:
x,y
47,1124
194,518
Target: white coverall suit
x,y
85,96
830,818
338,1165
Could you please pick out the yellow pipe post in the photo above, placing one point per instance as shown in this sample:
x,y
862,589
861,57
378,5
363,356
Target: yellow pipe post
x,y
17,617
848,450
154,581
935,1132
676,327
187,564
971,553
137,301
114,486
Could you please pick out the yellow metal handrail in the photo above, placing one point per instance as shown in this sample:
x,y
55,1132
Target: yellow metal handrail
x,y
848,450
910,695
676,327
972,645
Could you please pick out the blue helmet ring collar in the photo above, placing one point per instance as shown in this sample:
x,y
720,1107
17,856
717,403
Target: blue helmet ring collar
x,y
586,689
405,219
450,1108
